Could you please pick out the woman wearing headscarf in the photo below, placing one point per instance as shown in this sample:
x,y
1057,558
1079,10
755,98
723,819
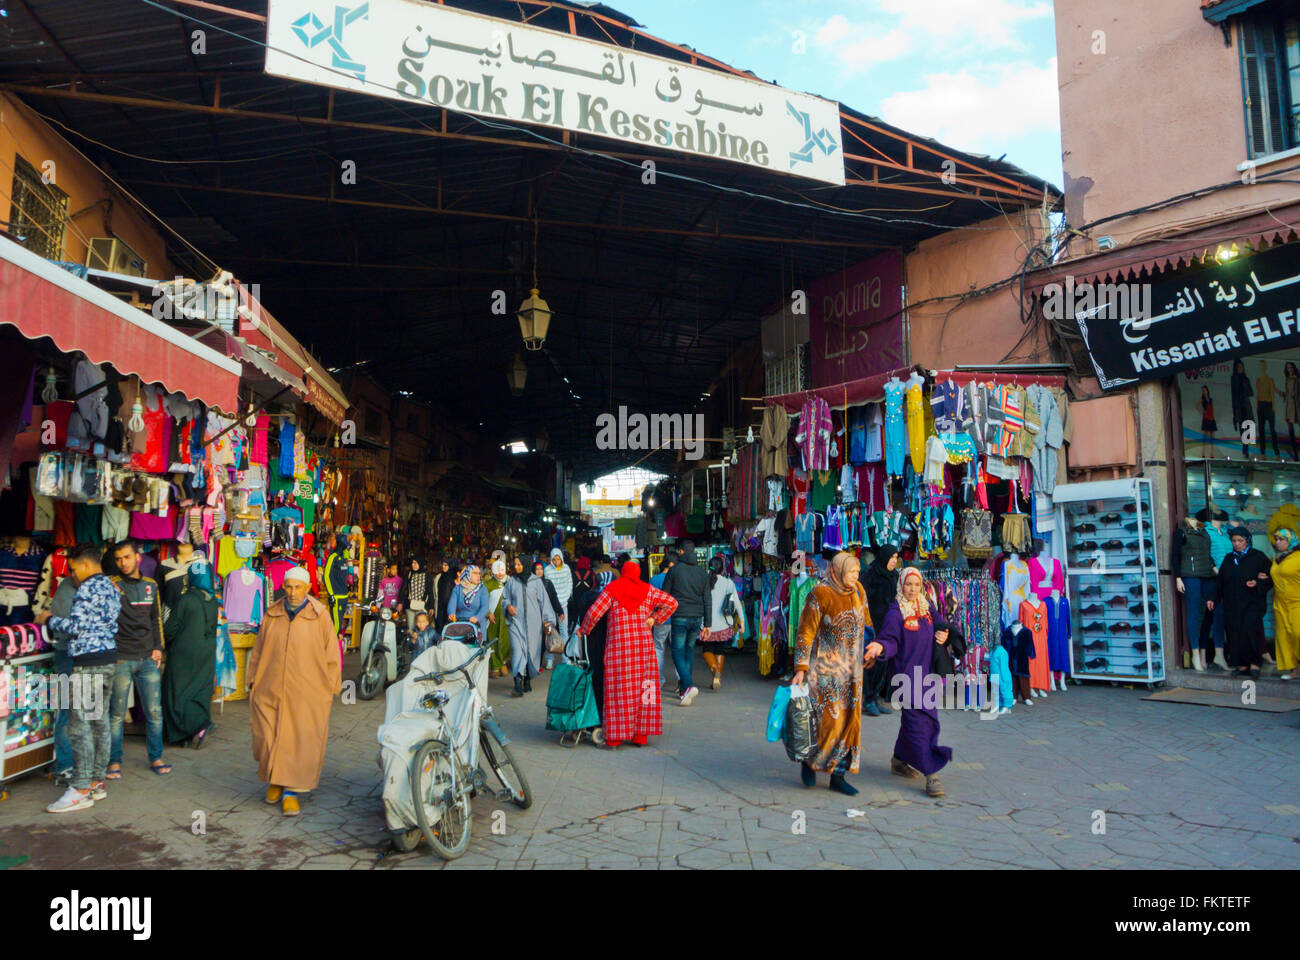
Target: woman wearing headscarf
x,y
545,614
560,576
498,631
525,643
881,581
417,591
1242,587
829,654
630,708
728,619
191,636
1285,574
444,583
469,601
909,634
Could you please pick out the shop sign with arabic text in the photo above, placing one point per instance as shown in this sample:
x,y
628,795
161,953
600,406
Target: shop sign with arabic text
x,y
1247,306
443,57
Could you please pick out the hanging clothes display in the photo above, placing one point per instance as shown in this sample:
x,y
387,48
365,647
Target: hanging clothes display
x,y
895,429
916,424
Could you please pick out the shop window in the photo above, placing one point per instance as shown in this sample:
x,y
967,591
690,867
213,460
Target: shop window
x,y
38,212
1270,77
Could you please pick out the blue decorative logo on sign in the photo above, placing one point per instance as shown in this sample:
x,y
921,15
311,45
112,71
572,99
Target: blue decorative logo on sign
x,y
312,32
821,140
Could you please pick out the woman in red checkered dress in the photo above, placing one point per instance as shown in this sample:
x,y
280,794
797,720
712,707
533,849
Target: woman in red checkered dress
x,y
631,708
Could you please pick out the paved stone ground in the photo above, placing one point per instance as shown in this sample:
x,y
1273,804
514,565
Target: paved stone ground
x,y
1181,786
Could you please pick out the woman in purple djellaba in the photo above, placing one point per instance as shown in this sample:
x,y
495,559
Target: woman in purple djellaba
x,y
909,635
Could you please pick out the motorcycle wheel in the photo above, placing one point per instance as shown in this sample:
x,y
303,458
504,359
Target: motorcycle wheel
x,y
448,835
404,841
371,679
502,763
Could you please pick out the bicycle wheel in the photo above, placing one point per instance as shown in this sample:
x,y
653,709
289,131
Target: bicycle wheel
x,y
371,679
444,820
502,763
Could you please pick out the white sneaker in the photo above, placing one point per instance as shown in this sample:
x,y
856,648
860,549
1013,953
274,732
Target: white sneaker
x,y
1285,676
72,799
1004,710
98,791
688,696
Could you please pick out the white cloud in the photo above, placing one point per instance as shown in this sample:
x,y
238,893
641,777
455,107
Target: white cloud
x,y
990,23
858,46
979,110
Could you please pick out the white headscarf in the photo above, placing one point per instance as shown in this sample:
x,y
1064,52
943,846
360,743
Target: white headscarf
x,y
920,607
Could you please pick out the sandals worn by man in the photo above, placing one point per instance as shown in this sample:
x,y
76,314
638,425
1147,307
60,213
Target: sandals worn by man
x,y
161,768
114,771
933,788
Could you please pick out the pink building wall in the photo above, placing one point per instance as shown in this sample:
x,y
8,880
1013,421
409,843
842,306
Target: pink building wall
x,y
1157,114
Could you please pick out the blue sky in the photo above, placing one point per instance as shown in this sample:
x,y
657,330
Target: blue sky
x,y
979,75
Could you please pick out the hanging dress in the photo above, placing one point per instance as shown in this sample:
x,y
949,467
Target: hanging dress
x,y
895,431
1035,621
916,426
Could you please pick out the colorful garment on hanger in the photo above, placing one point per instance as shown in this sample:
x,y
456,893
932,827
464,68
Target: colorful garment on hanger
x,y
1035,620
814,434
1015,588
895,428
916,426
1059,633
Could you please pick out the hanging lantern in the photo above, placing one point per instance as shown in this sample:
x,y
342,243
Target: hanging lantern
x,y
517,376
749,435
534,320
734,458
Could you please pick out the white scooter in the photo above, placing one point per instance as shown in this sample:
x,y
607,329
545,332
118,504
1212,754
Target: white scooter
x,y
440,746
384,653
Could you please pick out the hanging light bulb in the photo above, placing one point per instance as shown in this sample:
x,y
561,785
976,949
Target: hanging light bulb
x,y
136,423
50,393
734,458
749,434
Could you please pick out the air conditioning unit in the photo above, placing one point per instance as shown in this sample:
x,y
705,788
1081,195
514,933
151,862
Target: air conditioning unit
x,y
111,254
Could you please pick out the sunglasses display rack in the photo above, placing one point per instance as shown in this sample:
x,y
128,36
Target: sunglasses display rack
x,y
1111,576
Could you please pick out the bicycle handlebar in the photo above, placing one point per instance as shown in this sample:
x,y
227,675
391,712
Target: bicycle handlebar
x,y
441,675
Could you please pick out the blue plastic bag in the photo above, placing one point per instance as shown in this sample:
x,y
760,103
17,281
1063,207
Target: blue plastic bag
x,y
776,713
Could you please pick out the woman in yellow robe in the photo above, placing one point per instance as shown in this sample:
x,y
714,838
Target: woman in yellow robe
x,y
1285,574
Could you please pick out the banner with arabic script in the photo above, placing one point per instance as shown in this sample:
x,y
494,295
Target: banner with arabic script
x,y
442,57
1246,306
855,322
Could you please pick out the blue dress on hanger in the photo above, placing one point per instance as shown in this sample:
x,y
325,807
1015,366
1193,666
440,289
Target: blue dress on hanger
x,y
895,428
1058,634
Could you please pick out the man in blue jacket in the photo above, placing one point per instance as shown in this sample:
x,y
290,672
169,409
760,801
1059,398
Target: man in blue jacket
x,y
91,629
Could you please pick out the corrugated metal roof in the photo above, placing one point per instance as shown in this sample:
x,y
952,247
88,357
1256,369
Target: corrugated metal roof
x,y
393,271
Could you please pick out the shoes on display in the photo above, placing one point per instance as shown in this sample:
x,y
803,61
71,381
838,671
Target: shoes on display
x,y
1135,591
1096,663
1114,545
1086,546
1095,625
1120,628
1132,526
1085,528
1135,562
1110,518
1132,508
1117,601
1142,647
1093,609
1092,591
1097,645
1135,608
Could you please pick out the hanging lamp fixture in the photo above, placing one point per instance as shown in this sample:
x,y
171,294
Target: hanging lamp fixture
x,y
534,314
517,376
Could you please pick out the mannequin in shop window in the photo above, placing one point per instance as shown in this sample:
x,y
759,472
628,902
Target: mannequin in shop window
x,y
21,561
1033,616
1047,582
1194,569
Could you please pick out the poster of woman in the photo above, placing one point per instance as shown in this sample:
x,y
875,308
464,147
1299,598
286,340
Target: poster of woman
x,y
1262,396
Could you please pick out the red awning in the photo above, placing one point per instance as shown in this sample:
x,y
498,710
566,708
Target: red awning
x,y
259,367
41,299
867,389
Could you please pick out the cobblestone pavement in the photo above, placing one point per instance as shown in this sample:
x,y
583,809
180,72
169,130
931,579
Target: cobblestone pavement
x,y
1180,786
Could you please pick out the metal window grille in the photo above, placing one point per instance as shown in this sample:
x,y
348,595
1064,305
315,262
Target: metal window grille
x,y
38,212
788,374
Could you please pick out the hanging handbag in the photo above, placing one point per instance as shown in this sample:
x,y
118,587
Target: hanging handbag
x,y
977,533
554,639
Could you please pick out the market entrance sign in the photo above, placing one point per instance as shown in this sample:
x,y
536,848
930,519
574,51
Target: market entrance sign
x,y
1237,309
442,57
